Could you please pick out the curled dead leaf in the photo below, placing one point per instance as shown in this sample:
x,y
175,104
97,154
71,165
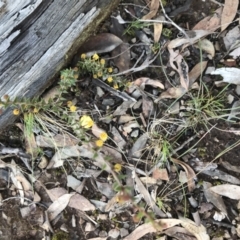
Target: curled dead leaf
x,y
210,22
103,42
206,46
229,12
189,173
153,10
174,92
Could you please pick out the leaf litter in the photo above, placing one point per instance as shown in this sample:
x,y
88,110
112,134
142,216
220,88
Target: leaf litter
x,y
155,161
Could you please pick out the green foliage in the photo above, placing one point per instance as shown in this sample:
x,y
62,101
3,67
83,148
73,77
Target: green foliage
x,y
206,106
136,25
167,32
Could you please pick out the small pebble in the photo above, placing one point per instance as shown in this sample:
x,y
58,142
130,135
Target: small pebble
x,y
123,232
89,227
114,233
43,163
102,234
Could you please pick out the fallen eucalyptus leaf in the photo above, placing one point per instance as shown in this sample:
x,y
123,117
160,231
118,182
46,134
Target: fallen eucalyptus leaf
x,y
214,198
229,12
211,23
58,206
79,202
227,190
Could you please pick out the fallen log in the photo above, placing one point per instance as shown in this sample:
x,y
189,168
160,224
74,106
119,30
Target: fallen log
x,y
40,37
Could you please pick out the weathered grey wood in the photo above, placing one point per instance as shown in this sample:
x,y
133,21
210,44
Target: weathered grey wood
x,y
38,38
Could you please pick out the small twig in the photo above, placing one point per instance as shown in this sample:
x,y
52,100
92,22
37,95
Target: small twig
x,y
115,92
186,142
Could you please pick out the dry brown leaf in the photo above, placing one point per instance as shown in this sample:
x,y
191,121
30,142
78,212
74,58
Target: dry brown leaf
x,y
179,233
160,174
196,71
52,93
210,23
147,106
157,31
156,226
158,28
59,140
227,190
174,92
138,146
148,180
153,10
140,231
198,231
214,198
55,193
147,197
103,42
194,36
230,167
58,206
81,203
114,155
182,67
141,82
206,46
189,172
229,12
121,57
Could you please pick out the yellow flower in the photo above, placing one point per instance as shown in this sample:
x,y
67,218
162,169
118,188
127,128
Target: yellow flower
x,y
99,74
69,103
73,108
35,110
102,61
95,57
110,70
115,86
16,112
95,76
75,76
75,69
117,167
99,143
83,56
86,121
110,79
103,136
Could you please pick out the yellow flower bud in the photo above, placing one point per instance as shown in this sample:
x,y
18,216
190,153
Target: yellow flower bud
x,y
117,167
95,57
69,103
103,136
16,112
99,74
110,79
83,56
73,108
115,86
99,143
102,61
86,121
